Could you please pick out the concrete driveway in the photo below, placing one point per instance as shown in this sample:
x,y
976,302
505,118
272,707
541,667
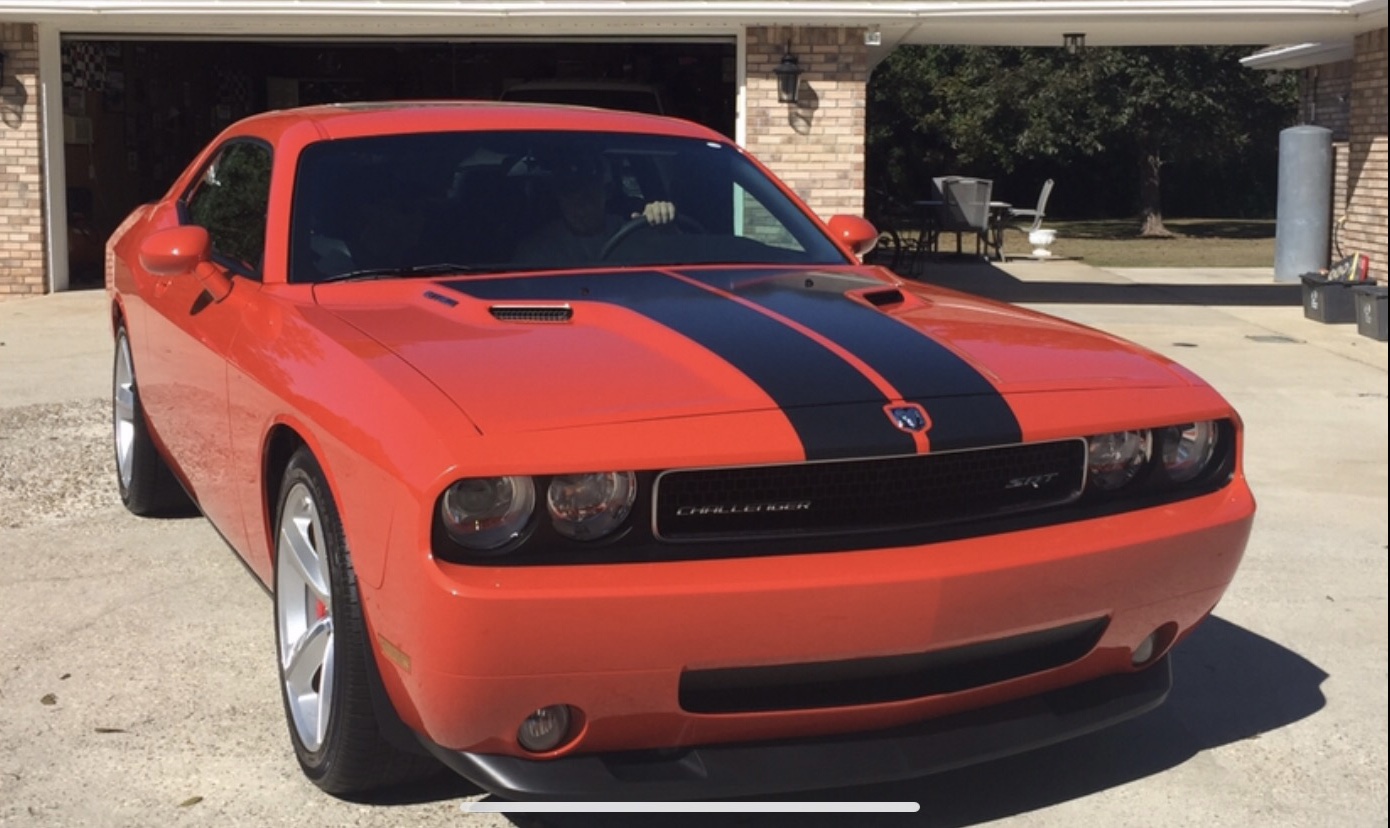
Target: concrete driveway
x,y
137,686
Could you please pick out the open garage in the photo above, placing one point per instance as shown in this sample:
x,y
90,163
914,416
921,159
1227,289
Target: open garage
x,y
135,110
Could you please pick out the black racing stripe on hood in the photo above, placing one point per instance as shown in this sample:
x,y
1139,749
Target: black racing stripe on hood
x,y
966,410
835,410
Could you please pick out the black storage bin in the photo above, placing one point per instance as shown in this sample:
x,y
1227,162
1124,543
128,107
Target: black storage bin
x,y
1370,310
1326,301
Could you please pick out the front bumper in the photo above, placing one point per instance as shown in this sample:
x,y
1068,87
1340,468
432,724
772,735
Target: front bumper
x,y
466,653
732,770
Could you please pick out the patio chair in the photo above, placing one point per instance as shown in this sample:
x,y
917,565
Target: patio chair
x,y
1019,219
965,209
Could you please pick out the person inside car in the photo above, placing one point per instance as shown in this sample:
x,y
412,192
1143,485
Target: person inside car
x,y
585,224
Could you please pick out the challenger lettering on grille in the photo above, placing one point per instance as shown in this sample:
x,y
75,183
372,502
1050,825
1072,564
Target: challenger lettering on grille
x,y
1034,481
744,508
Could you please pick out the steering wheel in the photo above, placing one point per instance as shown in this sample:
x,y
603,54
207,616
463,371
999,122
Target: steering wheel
x,y
625,232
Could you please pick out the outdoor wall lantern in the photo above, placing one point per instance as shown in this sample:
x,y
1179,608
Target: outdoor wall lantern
x,y
1074,42
788,77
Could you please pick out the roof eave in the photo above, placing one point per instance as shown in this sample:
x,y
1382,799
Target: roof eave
x,y
1300,56
978,22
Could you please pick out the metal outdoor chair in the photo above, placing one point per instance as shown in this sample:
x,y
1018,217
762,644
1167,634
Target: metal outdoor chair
x,y
964,209
1018,219
896,223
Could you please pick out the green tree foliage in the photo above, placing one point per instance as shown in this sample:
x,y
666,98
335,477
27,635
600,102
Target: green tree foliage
x,y
1104,123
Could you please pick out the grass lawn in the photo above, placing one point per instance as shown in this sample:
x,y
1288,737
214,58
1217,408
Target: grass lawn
x,y
1115,243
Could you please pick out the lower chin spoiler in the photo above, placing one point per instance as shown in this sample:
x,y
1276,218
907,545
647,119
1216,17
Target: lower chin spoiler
x,y
840,761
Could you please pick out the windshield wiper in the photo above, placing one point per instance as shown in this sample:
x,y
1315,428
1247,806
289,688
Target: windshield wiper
x,y
437,269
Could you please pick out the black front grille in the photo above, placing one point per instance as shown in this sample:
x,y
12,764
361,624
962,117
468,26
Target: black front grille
x,y
867,495
886,679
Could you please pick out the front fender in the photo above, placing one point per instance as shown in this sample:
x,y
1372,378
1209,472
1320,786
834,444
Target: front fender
x,y
381,432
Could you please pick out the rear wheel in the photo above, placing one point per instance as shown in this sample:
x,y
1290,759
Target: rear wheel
x,y
146,484
321,646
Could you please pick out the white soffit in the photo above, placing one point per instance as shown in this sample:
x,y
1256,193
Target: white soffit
x,y
980,22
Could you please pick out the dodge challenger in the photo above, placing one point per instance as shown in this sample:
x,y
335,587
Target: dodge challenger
x,y
582,458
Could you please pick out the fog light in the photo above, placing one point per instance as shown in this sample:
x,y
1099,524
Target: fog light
x,y
1145,650
545,729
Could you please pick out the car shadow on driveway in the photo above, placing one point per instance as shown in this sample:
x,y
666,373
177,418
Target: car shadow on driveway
x,y
984,279
1230,684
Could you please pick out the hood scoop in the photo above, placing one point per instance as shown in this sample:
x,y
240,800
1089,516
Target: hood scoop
x,y
883,298
533,314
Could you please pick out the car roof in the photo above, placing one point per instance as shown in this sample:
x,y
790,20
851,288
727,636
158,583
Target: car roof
x,y
344,120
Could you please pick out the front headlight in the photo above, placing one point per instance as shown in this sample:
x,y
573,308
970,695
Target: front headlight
x,y
487,513
1187,449
590,506
1117,458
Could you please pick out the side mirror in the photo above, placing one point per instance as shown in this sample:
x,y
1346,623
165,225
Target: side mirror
x,y
855,233
177,251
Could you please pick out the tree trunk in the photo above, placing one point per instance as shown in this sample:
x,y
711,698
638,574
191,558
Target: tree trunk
x,y
1151,196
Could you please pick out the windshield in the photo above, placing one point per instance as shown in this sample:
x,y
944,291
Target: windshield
x,y
503,201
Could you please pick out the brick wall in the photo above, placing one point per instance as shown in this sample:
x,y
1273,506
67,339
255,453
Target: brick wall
x,y
816,145
21,186
1367,173
1325,97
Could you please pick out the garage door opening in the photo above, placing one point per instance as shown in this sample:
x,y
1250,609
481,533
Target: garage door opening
x,y
136,111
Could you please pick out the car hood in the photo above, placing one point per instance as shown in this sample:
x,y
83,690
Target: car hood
x,y
831,349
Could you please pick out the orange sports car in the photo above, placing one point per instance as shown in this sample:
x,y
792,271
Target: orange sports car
x,y
581,457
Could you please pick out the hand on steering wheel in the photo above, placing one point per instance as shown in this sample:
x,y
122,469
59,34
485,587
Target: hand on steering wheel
x,y
655,214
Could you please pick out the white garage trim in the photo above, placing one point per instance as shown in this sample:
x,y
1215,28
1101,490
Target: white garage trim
x,y
55,175
741,89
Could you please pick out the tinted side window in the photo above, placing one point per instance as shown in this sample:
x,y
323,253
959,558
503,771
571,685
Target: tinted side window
x,y
230,201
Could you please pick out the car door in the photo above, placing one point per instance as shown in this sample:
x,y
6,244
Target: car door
x,y
184,385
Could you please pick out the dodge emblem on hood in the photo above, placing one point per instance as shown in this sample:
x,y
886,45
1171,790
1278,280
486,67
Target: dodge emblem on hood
x,y
909,418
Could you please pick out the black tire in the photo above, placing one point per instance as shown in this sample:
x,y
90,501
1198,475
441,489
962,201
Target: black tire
x,y
146,484
349,754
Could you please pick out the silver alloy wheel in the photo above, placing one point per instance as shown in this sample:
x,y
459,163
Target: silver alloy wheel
x,y
123,411
304,615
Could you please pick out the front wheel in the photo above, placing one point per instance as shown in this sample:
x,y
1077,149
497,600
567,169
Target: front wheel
x,y
321,645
